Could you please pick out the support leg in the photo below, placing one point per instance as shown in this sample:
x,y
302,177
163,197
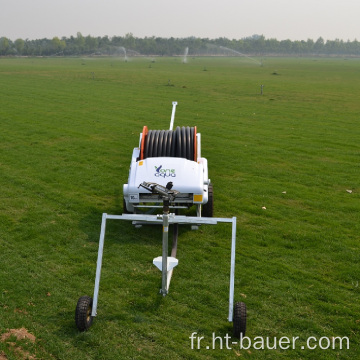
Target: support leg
x,y
165,245
232,269
98,264
173,252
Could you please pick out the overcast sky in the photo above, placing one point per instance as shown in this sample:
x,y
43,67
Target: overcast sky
x,y
233,19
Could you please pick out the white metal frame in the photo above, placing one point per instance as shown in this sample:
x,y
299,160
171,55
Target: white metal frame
x,y
166,219
167,263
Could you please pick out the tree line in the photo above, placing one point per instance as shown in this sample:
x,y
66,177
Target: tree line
x,y
129,45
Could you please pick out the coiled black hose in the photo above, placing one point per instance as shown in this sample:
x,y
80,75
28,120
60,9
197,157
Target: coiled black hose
x,y
168,143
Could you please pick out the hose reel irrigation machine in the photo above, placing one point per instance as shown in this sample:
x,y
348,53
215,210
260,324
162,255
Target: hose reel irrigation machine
x,y
168,172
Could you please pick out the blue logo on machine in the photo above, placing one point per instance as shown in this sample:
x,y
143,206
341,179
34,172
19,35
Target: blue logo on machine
x,y
159,171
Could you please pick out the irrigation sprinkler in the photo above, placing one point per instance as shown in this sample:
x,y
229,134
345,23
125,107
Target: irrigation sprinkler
x,y
185,55
167,172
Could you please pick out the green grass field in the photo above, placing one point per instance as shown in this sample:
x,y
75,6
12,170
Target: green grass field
x,y
67,130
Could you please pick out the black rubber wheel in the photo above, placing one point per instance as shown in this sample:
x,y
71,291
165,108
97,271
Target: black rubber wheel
x,y
208,208
83,318
239,319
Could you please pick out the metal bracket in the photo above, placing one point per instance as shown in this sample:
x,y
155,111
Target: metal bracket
x,y
169,219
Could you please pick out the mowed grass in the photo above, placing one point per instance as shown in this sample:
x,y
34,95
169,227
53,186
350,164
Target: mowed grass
x,y
67,130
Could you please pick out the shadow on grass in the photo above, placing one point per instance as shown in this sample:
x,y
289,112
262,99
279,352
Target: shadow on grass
x,y
121,230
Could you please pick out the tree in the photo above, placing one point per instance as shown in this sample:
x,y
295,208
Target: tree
x,y
297,47
4,46
272,46
255,44
19,46
80,42
91,43
310,45
286,46
259,43
58,45
319,45
129,41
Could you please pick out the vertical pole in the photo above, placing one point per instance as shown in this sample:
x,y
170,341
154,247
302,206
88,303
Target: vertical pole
x,y
232,269
173,252
98,265
164,285
198,145
173,115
